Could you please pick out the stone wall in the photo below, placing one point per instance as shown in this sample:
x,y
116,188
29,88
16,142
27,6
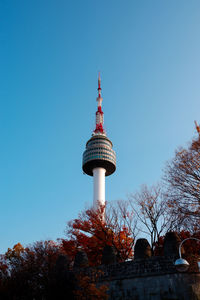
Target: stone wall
x,y
146,277
158,287
154,278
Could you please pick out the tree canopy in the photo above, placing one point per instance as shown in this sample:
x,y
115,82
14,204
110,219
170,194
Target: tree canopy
x,y
182,176
90,231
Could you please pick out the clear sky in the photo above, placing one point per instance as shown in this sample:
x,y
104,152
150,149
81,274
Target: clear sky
x,y
148,53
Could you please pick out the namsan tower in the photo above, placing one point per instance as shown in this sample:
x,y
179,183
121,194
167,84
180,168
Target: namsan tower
x,y
99,159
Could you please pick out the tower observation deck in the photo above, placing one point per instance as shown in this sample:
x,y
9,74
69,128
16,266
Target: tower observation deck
x,y
99,159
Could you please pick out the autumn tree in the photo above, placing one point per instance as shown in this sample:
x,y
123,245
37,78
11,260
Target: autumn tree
x,y
3,277
182,176
191,247
87,288
151,209
121,219
35,272
93,230
42,272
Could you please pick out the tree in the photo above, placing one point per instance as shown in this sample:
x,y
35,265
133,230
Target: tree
x,y
33,272
42,272
191,247
87,288
3,277
91,232
151,209
182,176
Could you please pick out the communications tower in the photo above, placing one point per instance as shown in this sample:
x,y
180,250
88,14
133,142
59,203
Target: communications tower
x,y
99,159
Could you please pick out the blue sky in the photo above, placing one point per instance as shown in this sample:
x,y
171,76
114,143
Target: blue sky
x,y
148,53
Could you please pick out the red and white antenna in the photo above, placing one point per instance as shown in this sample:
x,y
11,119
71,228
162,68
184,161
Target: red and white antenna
x,y
99,113
99,85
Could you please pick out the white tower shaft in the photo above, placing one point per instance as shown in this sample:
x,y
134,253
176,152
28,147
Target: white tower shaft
x,y
99,186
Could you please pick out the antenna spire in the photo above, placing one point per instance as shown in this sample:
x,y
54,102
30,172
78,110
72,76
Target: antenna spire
x,y
99,113
99,85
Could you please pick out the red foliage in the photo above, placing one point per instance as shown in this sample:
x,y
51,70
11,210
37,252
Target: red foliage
x,y
91,233
191,247
87,289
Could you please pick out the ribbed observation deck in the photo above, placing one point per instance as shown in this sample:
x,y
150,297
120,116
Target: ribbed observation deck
x,y
99,153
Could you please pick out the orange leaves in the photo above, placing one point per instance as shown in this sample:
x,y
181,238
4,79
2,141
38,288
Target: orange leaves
x,y
89,290
17,250
91,233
